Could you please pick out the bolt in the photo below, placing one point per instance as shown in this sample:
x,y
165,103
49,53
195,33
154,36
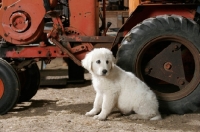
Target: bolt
x,y
181,82
167,66
5,8
148,70
42,44
176,47
129,38
60,52
5,35
14,24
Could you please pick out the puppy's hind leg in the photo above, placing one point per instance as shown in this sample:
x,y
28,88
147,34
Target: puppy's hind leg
x,y
96,106
145,117
138,117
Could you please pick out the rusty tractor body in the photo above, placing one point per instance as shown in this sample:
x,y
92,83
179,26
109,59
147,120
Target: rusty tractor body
x,y
159,43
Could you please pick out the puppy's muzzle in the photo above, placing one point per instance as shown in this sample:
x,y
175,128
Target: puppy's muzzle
x,y
104,71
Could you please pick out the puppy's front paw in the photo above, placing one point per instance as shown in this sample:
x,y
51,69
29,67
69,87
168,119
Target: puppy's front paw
x,y
98,117
89,114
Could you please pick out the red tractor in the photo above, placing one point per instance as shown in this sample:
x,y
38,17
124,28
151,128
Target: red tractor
x,y
159,42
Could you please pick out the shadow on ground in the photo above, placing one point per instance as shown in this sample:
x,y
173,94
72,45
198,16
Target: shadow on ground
x,y
46,107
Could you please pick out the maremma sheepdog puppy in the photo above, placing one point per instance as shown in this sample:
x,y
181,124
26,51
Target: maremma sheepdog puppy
x,y
117,88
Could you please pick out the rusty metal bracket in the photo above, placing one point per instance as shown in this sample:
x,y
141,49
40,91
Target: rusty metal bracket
x,y
71,56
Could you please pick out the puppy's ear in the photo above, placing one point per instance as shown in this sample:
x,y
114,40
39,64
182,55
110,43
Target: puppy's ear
x,y
87,62
111,57
113,61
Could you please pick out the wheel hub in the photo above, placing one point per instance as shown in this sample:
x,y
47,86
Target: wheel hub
x,y
161,66
170,66
19,21
1,88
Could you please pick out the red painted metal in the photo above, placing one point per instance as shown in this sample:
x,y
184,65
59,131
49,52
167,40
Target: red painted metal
x,y
71,34
84,16
44,51
22,24
35,51
21,20
77,37
1,88
66,50
58,33
58,24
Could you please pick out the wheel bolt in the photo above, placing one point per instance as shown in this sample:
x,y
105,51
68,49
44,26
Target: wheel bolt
x,y
167,66
147,70
181,82
176,47
129,39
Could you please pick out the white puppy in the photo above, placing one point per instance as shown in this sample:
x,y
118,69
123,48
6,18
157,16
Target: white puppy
x,y
117,88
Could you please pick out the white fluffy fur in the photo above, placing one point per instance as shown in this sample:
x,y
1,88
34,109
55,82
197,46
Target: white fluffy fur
x,y
118,88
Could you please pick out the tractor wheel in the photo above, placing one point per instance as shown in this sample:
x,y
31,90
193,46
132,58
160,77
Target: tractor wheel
x,y
9,87
30,81
164,53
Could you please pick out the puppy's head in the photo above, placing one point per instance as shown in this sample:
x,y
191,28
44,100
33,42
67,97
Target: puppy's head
x,y
99,61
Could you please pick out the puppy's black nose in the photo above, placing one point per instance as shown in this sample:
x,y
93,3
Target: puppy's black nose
x,y
104,71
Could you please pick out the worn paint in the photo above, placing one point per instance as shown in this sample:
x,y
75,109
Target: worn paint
x,y
84,16
1,88
33,11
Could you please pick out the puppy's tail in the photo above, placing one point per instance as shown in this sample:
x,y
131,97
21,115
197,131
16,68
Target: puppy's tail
x,y
157,117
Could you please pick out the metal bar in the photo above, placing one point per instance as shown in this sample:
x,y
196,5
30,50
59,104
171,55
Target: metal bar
x,y
88,39
78,51
71,56
104,16
31,52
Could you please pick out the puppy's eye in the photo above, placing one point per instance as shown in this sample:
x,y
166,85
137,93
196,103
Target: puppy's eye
x,y
107,62
98,61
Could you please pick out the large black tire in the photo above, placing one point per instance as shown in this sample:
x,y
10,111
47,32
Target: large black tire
x,y
30,82
148,50
9,87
